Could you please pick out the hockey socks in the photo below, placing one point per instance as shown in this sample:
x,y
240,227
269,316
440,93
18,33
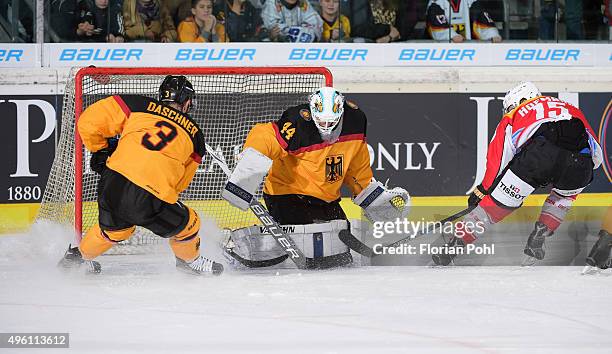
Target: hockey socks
x,y
97,241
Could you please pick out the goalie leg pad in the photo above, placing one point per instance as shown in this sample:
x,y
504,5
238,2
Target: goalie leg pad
x,y
314,240
382,204
97,241
246,178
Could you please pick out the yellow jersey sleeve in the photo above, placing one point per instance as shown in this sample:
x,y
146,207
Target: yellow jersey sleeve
x,y
103,119
264,137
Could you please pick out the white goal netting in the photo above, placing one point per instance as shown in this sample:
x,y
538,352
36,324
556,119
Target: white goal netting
x,y
228,103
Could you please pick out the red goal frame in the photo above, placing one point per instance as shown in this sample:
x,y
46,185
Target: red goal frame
x,y
78,191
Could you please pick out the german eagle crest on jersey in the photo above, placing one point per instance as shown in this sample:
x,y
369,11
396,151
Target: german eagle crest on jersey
x,y
333,168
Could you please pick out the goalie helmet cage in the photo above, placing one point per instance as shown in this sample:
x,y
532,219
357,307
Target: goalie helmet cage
x,y
229,101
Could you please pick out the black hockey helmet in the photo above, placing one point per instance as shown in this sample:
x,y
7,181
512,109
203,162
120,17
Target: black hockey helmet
x,y
176,89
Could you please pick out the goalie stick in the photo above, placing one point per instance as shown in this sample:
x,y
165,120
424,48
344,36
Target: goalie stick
x,y
283,240
353,243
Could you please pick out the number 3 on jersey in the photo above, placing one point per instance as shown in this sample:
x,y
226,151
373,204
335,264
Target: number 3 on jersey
x,y
164,138
287,130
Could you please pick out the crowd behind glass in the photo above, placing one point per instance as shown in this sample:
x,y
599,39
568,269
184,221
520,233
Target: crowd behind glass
x,y
377,21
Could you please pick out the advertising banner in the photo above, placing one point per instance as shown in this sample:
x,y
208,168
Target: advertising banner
x,y
430,144
314,54
19,55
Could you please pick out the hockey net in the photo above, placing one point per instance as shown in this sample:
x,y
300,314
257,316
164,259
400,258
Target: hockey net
x,y
229,101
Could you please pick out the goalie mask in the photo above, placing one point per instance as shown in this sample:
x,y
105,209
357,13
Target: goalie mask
x,y
176,89
327,108
522,92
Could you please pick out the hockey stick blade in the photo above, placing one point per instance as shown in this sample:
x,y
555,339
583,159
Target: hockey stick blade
x,y
283,240
354,244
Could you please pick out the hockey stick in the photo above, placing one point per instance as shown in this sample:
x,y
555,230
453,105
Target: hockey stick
x,y
266,219
353,243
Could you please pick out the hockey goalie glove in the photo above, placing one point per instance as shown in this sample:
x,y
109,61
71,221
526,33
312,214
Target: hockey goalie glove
x,y
246,178
97,163
382,204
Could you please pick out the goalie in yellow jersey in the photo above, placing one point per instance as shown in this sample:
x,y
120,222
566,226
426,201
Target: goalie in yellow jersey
x,y
142,175
308,154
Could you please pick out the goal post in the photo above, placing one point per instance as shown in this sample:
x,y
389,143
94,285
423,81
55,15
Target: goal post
x,y
228,102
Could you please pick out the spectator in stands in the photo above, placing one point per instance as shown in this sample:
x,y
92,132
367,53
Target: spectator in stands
x,y
203,25
242,21
63,20
336,27
178,9
573,19
363,25
100,21
292,21
148,21
608,14
456,21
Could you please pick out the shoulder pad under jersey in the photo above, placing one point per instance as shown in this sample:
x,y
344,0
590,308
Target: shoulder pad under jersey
x,y
295,128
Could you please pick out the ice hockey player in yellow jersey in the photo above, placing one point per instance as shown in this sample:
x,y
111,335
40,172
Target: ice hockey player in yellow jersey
x,y
156,157
308,155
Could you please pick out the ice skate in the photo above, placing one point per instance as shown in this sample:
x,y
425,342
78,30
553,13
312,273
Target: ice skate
x,y
599,257
534,250
73,259
199,266
454,246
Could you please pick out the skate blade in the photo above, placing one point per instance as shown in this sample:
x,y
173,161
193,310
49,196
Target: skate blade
x,y
590,270
528,261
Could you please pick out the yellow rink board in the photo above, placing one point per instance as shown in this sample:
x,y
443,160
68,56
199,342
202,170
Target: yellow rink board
x,y
15,218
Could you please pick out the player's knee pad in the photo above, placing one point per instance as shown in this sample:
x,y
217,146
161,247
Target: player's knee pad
x,y
118,235
511,190
555,208
314,240
190,228
174,219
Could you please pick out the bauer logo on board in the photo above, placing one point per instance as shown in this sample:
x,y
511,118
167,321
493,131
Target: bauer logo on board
x,y
527,54
437,54
328,54
100,54
215,54
11,55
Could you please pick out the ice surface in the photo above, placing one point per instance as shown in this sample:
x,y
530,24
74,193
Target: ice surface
x,y
140,304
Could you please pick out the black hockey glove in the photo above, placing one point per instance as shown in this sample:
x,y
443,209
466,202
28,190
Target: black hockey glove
x,y
97,163
476,196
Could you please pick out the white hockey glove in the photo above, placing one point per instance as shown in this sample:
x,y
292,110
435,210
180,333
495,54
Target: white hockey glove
x,y
382,204
246,178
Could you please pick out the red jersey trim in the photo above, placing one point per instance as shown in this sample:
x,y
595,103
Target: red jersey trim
x,y
197,158
320,146
279,138
124,107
